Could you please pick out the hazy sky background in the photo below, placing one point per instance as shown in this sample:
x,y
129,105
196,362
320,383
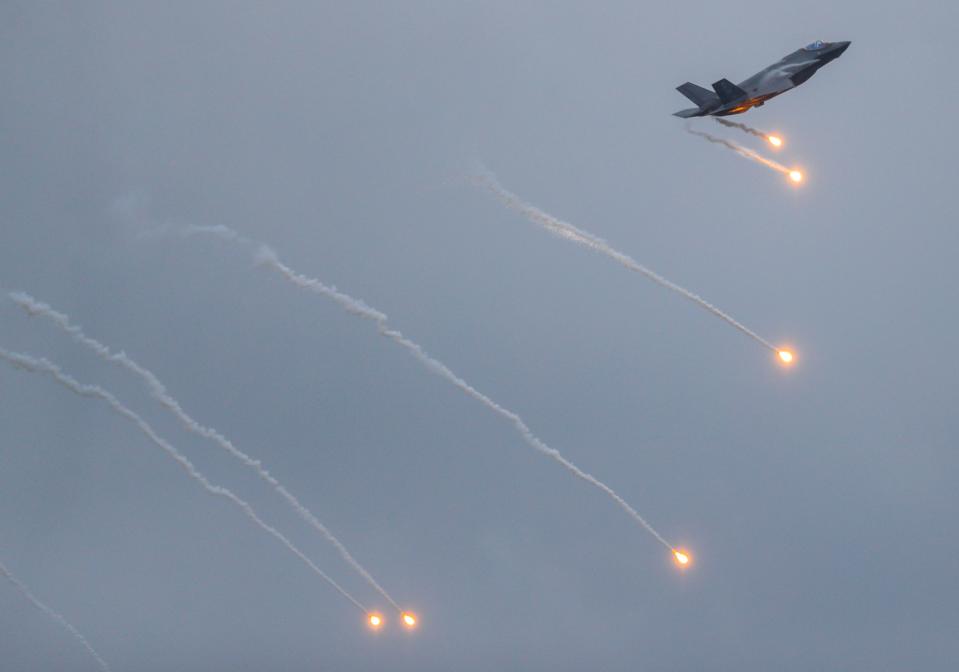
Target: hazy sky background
x,y
820,502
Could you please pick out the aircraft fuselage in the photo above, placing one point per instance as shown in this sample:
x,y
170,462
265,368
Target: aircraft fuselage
x,y
787,73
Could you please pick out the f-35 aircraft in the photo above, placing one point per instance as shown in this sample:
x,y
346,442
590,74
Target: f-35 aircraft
x,y
788,73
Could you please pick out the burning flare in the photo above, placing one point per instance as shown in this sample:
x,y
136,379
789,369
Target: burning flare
x,y
745,152
682,558
786,356
409,619
375,621
773,139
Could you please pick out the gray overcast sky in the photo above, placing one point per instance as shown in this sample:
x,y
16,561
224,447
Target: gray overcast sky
x,y
820,502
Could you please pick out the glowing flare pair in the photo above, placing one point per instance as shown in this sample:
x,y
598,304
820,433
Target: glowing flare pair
x,y
777,142
376,620
794,174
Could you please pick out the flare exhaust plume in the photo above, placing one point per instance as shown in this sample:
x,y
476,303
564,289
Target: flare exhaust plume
x,y
35,601
45,367
747,153
267,257
773,139
566,230
159,391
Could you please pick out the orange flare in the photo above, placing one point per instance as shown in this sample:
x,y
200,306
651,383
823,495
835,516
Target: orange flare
x,y
775,140
795,176
409,619
682,557
375,620
786,356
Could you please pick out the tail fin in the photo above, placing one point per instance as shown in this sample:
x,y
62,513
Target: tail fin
x,y
728,92
702,97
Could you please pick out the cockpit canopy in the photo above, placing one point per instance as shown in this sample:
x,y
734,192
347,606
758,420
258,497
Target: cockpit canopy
x,y
815,46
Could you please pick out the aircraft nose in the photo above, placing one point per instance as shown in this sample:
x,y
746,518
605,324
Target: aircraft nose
x,y
841,47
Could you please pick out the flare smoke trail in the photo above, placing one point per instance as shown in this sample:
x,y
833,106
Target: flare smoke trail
x,y
44,366
570,232
266,257
19,585
159,391
744,152
741,127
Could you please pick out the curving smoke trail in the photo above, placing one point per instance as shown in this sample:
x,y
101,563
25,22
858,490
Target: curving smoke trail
x,y
46,367
266,257
159,391
566,230
19,585
744,152
742,127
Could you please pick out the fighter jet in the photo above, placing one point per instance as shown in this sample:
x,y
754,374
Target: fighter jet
x,y
788,73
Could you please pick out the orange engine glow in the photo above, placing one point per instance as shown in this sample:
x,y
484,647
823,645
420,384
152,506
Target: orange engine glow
x,y
682,557
795,176
375,620
786,356
409,620
775,140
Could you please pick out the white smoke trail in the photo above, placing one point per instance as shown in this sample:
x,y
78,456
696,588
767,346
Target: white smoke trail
x,y
266,257
19,585
44,366
566,230
744,152
159,391
742,127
